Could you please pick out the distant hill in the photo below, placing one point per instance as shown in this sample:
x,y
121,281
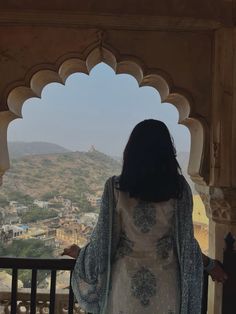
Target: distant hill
x,y
40,170
71,174
21,149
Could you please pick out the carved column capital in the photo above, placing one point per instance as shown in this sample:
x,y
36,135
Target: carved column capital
x,y
220,203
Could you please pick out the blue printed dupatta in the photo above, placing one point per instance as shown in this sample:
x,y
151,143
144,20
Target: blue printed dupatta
x,y
91,275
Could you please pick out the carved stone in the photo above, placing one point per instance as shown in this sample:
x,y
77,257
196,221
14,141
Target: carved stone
x,y
220,203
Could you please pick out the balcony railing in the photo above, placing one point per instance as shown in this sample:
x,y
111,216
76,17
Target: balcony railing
x,y
41,301
61,301
35,300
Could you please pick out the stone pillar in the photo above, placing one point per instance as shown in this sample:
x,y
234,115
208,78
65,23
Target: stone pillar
x,y
5,118
220,204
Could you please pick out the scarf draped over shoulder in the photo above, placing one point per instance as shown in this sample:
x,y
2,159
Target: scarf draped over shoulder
x,y
91,275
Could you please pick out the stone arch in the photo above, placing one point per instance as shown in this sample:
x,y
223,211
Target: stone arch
x,y
37,78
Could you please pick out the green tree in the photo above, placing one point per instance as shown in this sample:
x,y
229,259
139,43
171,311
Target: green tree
x,y
20,197
3,201
27,248
36,214
49,195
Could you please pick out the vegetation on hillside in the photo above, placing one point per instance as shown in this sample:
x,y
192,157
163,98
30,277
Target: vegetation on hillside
x,y
72,175
35,214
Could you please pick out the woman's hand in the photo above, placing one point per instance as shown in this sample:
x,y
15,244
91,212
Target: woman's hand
x,y
217,273
72,251
214,268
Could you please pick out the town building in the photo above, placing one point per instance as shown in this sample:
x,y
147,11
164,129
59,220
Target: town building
x,y
94,201
10,218
10,232
41,204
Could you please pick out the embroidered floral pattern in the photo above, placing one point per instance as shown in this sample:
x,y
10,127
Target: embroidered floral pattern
x,y
144,216
125,245
143,285
164,247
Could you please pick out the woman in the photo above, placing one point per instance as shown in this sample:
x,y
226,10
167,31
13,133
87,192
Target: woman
x,y
142,256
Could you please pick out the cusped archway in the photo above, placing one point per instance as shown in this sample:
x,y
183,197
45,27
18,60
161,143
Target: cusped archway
x,y
44,74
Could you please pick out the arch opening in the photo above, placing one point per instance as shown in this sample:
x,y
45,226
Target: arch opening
x,y
144,85
121,65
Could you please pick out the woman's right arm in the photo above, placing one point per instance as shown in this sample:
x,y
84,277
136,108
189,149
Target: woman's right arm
x,y
214,269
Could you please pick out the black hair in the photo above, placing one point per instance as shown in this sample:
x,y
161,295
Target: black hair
x,y
150,169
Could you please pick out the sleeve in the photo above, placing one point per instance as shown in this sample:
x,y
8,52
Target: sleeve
x,y
190,255
90,278
188,197
116,229
187,227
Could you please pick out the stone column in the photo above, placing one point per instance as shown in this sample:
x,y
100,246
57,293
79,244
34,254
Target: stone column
x,y
220,204
5,118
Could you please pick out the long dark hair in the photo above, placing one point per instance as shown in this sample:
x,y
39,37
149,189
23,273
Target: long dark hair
x,y
150,170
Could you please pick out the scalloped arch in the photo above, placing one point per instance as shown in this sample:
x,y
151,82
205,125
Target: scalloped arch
x,y
121,65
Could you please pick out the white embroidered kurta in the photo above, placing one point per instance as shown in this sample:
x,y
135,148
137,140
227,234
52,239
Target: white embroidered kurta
x,y
91,278
145,271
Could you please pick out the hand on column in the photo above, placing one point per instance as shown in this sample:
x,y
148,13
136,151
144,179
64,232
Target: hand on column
x,y
217,273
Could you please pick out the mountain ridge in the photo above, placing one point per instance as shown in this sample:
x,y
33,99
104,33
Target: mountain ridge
x,y
18,149
72,174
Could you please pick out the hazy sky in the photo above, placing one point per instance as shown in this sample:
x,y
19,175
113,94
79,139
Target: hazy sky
x,y
100,109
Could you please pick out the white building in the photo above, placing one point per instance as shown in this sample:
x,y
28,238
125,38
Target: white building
x,y
13,203
14,230
41,204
